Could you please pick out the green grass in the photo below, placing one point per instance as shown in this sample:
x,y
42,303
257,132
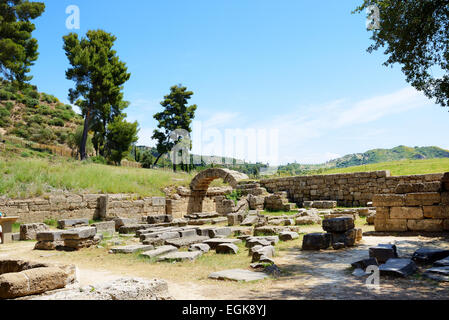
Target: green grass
x,y
23,178
399,168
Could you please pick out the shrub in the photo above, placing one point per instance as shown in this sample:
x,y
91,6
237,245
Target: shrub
x,y
45,110
48,98
57,122
43,135
98,159
5,95
30,102
4,117
9,105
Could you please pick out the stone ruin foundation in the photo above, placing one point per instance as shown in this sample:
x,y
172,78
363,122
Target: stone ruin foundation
x,y
414,207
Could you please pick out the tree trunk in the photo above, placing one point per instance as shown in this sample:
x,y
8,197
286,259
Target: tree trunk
x,y
157,160
84,140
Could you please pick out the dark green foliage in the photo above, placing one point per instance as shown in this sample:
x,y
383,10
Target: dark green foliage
x,y
235,195
4,116
5,95
99,76
48,98
30,102
120,136
56,122
415,35
176,115
18,49
74,141
9,105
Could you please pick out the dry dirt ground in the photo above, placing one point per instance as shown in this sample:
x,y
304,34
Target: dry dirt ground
x,y
305,275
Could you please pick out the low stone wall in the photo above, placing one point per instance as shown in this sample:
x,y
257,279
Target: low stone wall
x,y
349,189
72,206
414,207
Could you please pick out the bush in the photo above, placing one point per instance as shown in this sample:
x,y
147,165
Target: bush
x,y
48,98
5,95
98,159
43,135
9,105
57,122
30,102
45,110
4,117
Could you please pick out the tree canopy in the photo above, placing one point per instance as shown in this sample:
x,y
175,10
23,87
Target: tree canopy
x,y
120,136
99,76
176,115
415,34
18,49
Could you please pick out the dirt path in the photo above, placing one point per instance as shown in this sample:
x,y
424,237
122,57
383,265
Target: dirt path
x,y
306,275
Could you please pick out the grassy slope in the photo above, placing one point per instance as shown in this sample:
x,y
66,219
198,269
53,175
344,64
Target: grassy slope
x,y
399,168
33,177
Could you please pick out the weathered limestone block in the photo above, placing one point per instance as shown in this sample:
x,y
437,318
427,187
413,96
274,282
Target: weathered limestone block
x,y
445,198
406,213
388,200
398,267
431,225
71,223
79,233
107,226
227,248
32,281
288,235
418,187
383,252
396,225
30,231
436,212
422,199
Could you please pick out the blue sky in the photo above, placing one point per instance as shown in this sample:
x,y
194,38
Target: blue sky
x,y
292,75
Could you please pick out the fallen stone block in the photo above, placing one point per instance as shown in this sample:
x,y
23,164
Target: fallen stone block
x,y
215,242
272,239
203,247
71,223
238,275
181,256
398,268
133,228
316,241
47,245
106,226
219,220
440,274
49,236
120,222
365,263
77,244
32,281
215,232
267,252
383,252
30,231
187,233
268,230
249,221
185,242
338,224
158,251
132,249
227,248
257,242
79,233
429,255
442,263
348,238
288,236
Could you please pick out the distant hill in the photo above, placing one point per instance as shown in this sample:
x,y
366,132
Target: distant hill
x,y
386,155
35,116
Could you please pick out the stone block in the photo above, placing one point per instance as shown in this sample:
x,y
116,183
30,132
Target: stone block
x,y
406,213
215,232
70,223
422,199
338,224
181,256
79,233
288,235
107,226
316,241
158,251
396,225
398,268
418,187
30,231
365,263
429,255
227,248
430,225
383,252
436,212
132,248
215,242
49,236
200,247
388,200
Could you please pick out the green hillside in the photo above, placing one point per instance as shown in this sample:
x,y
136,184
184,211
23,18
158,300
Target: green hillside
x,y
398,168
385,155
34,116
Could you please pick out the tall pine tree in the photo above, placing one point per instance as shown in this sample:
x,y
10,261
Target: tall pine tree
x,y
176,115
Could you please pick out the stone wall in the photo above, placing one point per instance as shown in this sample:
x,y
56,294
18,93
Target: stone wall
x,y
68,205
414,207
349,189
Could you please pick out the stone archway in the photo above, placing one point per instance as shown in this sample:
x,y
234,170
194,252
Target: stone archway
x,y
200,185
202,181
